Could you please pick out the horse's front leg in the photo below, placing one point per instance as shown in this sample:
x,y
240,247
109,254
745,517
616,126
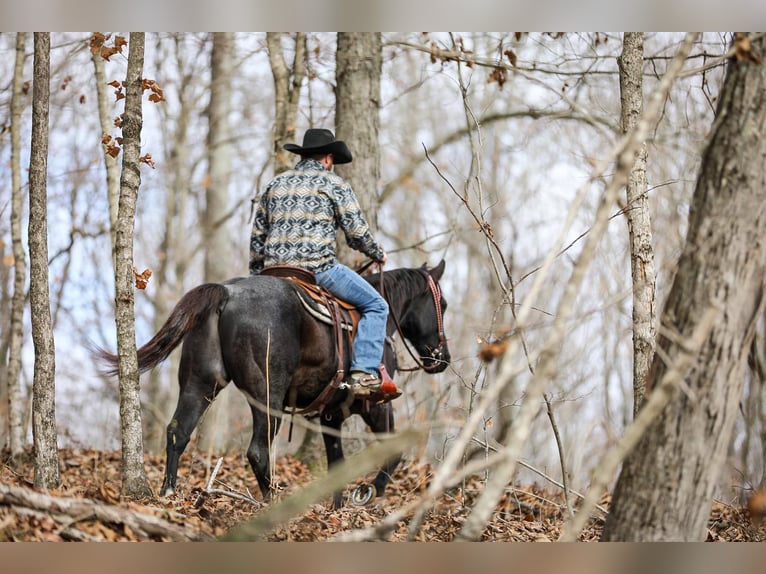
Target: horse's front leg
x,y
333,446
380,419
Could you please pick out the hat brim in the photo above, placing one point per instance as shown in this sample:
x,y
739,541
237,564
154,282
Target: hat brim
x,y
339,150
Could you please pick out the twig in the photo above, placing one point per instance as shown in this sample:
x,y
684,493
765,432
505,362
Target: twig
x,y
562,459
204,494
236,495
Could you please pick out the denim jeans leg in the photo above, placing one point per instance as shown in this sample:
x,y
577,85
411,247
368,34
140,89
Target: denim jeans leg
x,y
348,285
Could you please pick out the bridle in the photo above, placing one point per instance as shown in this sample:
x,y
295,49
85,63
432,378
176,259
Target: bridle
x,y
438,352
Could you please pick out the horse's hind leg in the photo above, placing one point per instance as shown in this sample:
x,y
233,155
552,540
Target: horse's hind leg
x,y
195,397
264,430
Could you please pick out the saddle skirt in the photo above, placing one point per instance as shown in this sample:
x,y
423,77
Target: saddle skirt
x,y
317,300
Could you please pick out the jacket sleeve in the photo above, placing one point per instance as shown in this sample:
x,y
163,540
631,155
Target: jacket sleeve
x,y
352,222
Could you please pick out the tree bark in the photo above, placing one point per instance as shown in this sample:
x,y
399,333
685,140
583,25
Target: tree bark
x,y
667,483
15,402
359,61
134,483
638,216
110,162
44,387
287,94
217,241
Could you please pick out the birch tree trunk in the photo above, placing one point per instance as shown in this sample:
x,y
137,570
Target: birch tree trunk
x,y
631,63
667,483
134,483
15,401
44,385
287,94
359,61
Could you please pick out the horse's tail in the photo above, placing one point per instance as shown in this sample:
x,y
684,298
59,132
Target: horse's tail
x,y
193,308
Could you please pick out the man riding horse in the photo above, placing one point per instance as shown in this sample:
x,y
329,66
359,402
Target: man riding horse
x,y
295,224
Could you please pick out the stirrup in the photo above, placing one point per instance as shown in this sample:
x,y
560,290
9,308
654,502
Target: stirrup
x,y
371,387
363,384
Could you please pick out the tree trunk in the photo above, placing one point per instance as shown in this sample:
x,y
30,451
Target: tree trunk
x,y
15,401
287,94
159,388
44,386
134,483
110,162
359,61
217,241
667,483
638,216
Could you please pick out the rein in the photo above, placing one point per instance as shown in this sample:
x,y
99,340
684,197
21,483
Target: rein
x,y
436,295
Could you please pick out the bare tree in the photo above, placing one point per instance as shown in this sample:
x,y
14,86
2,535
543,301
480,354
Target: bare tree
x,y
15,403
666,486
219,149
44,386
110,161
631,63
287,93
359,60
134,481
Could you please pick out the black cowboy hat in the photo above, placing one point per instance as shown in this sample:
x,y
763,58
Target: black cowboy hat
x,y
317,141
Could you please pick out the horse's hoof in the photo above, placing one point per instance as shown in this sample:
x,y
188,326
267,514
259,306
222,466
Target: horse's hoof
x,y
169,491
363,494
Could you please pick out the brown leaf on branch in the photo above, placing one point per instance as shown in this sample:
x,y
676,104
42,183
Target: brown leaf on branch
x,y
499,75
107,52
490,350
157,94
142,279
96,41
147,159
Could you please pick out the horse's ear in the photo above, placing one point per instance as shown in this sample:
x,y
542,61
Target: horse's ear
x,y
437,271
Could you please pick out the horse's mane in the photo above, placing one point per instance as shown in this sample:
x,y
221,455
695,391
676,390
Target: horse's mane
x,y
401,284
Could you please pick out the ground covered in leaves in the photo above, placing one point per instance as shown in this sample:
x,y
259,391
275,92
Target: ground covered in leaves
x,y
88,506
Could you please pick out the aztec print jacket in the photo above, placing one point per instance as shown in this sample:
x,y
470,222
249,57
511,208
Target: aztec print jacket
x,y
298,216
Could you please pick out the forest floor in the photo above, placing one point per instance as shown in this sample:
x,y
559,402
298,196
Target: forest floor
x,y
88,506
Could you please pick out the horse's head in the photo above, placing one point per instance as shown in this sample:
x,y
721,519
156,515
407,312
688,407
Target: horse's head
x,y
423,322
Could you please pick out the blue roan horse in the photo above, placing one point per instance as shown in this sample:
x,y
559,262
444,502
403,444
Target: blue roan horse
x,y
256,330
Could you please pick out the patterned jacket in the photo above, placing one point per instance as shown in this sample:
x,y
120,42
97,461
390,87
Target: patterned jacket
x,y
297,218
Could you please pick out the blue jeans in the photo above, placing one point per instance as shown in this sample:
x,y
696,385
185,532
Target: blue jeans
x,y
348,285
